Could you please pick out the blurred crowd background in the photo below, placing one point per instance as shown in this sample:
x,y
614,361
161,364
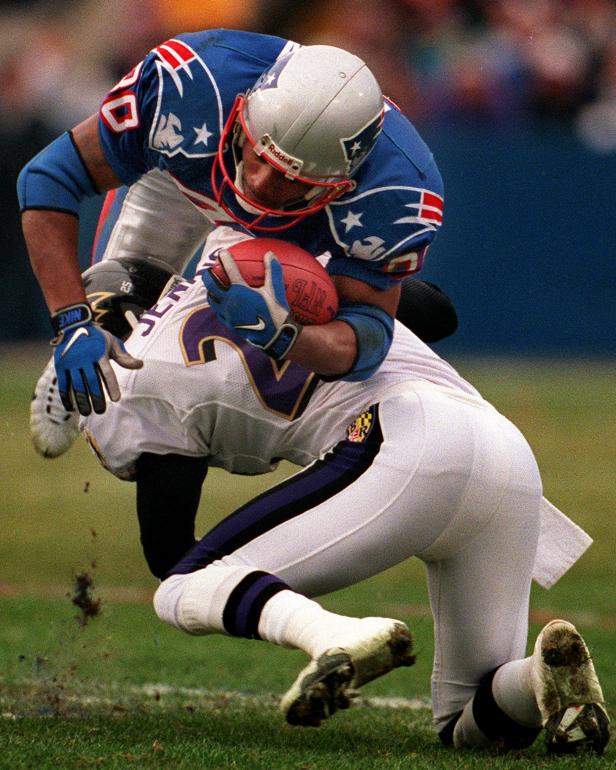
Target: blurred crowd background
x,y
494,69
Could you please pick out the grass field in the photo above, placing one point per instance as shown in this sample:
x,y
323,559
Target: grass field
x,y
123,690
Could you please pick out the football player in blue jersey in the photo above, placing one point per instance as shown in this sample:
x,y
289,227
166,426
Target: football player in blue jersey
x,y
258,134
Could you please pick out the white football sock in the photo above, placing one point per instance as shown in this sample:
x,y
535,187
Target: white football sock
x,y
513,692
466,734
513,695
292,620
195,603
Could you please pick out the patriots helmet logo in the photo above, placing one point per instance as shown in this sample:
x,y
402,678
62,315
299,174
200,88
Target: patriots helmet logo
x,y
357,147
269,79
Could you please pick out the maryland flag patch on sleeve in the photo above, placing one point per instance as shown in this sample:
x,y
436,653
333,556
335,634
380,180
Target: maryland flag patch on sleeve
x,y
359,430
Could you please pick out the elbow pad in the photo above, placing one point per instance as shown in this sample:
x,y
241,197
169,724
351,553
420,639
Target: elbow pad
x,y
55,179
374,329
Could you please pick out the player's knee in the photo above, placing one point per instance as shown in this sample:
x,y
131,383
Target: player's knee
x,y
167,600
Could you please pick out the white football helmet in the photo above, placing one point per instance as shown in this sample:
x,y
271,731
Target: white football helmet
x,y
315,115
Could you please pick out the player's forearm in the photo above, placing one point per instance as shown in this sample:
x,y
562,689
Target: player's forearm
x,y
329,349
51,238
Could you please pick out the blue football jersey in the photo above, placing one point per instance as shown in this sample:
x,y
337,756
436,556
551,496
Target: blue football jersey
x,y
169,112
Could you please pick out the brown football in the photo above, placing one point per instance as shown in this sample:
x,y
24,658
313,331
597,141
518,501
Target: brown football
x,y
310,291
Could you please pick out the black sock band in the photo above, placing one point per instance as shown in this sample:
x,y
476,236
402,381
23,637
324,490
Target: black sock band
x,y
495,724
242,611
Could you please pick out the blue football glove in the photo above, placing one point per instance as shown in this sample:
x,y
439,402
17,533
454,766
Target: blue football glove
x,y
82,352
261,314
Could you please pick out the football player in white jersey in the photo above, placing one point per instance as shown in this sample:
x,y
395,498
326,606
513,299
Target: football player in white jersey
x,y
411,462
251,131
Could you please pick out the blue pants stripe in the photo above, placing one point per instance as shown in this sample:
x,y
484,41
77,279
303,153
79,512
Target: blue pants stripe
x,y
320,481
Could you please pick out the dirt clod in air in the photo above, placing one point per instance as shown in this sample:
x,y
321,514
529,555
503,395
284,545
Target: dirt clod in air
x,y
83,598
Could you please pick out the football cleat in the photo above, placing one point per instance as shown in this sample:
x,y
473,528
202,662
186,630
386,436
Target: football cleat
x,y
52,429
568,692
331,681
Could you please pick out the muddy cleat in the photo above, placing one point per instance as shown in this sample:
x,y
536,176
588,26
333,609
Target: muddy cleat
x,y
52,429
568,692
331,681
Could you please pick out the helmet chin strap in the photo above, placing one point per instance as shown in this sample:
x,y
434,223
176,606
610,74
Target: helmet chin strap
x,y
131,319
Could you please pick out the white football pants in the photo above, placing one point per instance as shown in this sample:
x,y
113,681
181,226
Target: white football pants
x,y
454,483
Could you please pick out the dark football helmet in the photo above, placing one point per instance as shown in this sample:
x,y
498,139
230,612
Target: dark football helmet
x,y
426,310
120,290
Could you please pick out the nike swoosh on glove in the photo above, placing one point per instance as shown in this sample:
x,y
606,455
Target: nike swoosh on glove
x,y
259,314
82,358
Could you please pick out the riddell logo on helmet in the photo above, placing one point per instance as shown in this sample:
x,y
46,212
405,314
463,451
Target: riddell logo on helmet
x,y
279,155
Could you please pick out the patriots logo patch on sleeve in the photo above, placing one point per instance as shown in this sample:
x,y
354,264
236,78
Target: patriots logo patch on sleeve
x,y
385,221
185,125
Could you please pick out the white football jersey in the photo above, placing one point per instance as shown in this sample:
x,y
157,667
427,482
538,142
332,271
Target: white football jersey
x,y
203,391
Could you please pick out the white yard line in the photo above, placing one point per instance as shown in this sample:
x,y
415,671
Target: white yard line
x,y
161,689
160,693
